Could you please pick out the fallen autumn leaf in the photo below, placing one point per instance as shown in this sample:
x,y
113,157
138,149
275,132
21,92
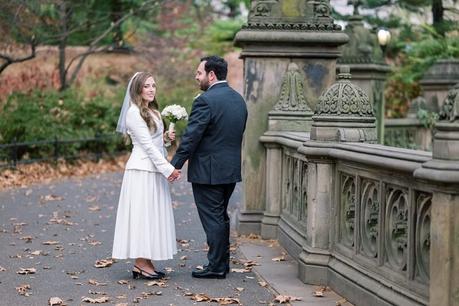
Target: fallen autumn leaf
x,y
99,300
286,298
103,263
25,271
23,289
55,301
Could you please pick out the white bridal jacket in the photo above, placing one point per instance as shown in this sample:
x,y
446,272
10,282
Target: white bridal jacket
x,y
148,152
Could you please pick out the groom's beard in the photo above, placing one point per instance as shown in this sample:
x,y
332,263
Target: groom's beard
x,y
204,84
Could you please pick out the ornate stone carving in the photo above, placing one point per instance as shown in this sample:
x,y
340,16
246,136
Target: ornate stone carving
x,y
288,178
344,99
262,8
295,187
292,91
348,207
309,15
296,199
291,26
369,218
304,192
422,239
322,9
396,228
450,108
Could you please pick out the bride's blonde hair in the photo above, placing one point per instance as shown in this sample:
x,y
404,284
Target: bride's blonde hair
x,y
146,108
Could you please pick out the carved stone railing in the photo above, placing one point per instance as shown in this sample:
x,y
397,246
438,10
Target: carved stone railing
x,y
382,227
371,243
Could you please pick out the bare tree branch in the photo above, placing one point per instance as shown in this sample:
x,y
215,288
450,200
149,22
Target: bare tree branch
x,y
93,45
9,60
452,9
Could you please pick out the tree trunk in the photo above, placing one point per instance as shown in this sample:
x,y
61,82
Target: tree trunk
x,y
437,15
64,14
116,14
234,8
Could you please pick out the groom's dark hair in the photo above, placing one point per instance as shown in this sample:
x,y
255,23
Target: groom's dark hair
x,y
216,64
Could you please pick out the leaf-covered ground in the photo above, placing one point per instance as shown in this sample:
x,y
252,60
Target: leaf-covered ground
x,y
56,240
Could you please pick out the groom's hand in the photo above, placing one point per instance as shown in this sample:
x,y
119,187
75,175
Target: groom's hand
x,y
174,176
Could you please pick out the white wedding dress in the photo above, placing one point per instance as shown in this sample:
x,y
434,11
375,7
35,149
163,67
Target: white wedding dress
x,y
145,225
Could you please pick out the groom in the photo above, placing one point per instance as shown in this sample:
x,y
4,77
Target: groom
x,y
212,145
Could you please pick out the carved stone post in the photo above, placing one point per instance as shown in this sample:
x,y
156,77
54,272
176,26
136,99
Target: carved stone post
x,y
369,71
443,170
344,114
278,33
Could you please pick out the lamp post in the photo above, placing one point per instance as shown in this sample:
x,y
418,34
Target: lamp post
x,y
383,39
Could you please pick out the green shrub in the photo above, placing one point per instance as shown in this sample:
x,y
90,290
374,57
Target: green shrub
x,y
48,115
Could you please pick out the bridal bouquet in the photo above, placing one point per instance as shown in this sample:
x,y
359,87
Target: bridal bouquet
x,y
174,113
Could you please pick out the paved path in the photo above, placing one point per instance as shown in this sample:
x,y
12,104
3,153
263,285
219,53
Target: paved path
x,y
77,217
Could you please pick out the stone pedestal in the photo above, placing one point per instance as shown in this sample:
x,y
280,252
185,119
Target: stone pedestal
x,y
277,35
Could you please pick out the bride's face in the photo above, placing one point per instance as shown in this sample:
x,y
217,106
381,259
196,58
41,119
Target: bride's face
x,y
149,90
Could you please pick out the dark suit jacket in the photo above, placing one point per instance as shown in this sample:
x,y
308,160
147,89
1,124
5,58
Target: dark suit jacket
x,y
213,137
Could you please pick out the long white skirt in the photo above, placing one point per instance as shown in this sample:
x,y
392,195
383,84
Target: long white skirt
x,y
145,221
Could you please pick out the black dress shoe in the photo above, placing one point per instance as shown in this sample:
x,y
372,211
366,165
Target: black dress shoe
x,y
206,273
227,270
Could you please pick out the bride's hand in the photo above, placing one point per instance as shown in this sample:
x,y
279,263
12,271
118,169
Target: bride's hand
x,y
175,175
171,135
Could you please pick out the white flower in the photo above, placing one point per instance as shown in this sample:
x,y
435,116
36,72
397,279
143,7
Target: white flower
x,y
175,113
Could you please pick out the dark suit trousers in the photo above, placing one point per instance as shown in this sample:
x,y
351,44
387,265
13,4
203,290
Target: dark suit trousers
x,y
212,203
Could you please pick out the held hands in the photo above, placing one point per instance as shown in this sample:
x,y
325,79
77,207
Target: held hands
x,y
169,136
174,176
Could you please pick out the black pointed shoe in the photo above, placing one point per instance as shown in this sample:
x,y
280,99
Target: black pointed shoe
x,y
206,273
160,273
144,274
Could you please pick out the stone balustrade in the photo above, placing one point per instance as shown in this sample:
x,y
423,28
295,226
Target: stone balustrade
x,y
353,215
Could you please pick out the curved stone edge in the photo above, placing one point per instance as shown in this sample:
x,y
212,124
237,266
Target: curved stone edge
x,y
439,171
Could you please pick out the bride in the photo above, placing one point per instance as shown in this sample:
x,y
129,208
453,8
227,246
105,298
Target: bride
x,y
145,228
